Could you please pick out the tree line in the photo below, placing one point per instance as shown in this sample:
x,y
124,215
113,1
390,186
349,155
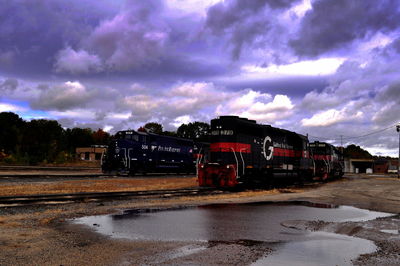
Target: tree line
x,y
46,141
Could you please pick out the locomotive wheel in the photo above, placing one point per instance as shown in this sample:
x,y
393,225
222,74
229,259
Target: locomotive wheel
x,y
271,182
131,172
269,179
302,178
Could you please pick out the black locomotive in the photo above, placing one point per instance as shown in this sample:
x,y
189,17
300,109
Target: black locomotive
x,y
140,152
244,152
327,161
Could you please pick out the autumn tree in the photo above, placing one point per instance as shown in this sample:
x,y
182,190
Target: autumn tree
x,y
100,137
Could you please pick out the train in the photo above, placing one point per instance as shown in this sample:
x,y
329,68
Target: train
x,y
243,152
132,152
328,161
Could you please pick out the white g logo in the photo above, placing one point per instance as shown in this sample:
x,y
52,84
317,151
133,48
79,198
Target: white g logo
x,y
268,150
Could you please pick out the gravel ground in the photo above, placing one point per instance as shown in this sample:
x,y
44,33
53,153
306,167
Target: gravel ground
x,y
42,235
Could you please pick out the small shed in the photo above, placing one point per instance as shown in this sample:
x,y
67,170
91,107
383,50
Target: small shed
x,y
93,153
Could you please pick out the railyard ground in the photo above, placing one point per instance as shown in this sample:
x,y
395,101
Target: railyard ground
x,y
42,235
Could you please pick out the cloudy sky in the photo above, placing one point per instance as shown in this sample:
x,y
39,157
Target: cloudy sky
x,y
327,68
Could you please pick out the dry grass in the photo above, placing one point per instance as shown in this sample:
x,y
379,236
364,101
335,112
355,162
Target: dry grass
x,y
109,185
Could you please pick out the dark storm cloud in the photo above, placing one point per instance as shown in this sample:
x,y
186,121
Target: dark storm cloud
x,y
32,31
87,39
142,41
133,38
244,22
332,24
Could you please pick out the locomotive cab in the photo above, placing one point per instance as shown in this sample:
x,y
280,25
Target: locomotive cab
x,y
222,170
124,152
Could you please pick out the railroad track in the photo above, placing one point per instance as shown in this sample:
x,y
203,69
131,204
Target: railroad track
x,y
40,176
47,199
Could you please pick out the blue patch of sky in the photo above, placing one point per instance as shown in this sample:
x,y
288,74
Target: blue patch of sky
x,y
25,111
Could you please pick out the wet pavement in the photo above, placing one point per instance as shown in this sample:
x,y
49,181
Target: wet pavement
x,y
246,223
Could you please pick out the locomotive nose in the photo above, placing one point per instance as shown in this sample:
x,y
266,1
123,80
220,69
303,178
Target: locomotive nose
x,y
216,175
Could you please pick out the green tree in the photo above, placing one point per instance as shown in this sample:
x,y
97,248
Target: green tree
x,y
154,127
11,130
79,137
42,140
195,130
169,133
356,152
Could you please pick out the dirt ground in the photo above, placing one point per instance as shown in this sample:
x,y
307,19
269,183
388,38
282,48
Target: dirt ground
x,y
42,235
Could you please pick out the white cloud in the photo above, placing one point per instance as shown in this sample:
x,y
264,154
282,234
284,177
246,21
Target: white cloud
x,y
108,128
322,66
62,97
76,114
77,62
190,97
193,6
119,115
301,8
379,40
185,119
331,117
258,106
6,107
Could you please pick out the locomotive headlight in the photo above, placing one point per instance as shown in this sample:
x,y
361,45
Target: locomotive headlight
x,y
228,166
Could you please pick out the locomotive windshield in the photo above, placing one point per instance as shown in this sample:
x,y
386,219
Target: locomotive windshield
x,y
320,148
128,135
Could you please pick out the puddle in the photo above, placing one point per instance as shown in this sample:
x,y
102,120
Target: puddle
x,y
319,248
256,222
224,222
394,232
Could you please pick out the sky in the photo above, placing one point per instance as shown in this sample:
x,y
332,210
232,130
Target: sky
x,y
326,68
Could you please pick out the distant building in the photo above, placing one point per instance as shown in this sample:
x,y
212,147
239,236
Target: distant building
x,y
393,166
377,166
93,153
358,165
381,166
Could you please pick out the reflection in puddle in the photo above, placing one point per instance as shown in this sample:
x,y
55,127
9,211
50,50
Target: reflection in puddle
x,y
254,222
261,222
319,248
394,232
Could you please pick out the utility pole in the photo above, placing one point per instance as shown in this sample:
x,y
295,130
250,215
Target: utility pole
x,y
398,166
341,143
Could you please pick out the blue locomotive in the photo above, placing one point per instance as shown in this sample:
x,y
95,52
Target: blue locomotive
x,y
141,152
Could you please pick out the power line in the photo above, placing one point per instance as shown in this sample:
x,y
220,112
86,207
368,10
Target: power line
x,y
341,137
372,133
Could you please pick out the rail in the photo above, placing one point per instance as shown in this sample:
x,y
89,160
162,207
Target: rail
x,y
24,200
